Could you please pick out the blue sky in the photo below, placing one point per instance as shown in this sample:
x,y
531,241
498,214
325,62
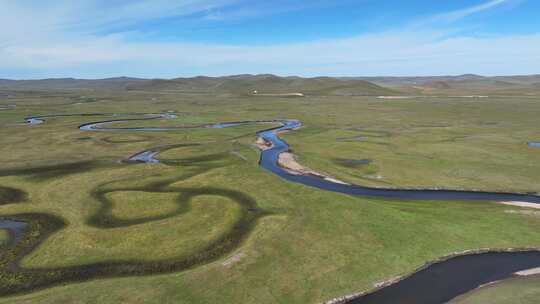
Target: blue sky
x,y
166,39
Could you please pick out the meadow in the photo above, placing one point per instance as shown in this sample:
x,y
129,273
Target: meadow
x,y
208,225
515,290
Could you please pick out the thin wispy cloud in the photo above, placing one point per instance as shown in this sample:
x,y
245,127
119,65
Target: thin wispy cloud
x,y
465,12
87,16
53,19
403,53
100,39
247,9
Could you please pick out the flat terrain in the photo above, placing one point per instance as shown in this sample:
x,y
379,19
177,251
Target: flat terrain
x,y
517,290
236,233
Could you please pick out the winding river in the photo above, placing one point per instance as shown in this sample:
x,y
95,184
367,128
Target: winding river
x,y
269,162
436,283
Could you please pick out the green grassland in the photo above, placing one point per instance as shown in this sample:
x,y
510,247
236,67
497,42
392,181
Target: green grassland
x,y
4,237
434,143
516,290
210,226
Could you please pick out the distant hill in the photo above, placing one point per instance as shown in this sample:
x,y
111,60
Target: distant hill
x,y
421,80
237,84
460,84
264,84
523,79
417,80
442,85
68,83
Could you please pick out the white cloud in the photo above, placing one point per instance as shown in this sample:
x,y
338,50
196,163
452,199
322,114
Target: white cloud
x,y
57,38
462,13
50,19
411,53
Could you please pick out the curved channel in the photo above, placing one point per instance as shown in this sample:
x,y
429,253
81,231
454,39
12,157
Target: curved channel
x,y
437,283
10,195
442,281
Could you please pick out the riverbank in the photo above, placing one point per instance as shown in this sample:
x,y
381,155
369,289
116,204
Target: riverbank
x,y
522,204
288,162
434,277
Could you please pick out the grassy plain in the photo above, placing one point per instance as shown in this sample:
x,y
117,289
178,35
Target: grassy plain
x,y
307,246
521,290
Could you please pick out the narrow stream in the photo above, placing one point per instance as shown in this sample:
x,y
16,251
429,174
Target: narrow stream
x,y
269,161
441,282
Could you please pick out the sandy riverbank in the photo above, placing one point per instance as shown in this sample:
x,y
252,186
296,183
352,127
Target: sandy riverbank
x,y
529,272
288,162
263,144
522,204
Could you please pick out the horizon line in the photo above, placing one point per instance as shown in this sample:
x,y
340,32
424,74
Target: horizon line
x,y
269,74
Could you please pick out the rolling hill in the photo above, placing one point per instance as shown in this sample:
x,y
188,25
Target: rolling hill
x,y
267,84
264,84
238,84
68,83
